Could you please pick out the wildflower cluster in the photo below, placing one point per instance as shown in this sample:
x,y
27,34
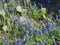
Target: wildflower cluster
x,y
30,22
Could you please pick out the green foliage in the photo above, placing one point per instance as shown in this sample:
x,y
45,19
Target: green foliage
x,y
5,28
19,8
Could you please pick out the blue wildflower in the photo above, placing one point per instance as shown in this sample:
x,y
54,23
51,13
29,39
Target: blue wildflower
x,y
27,38
19,42
42,43
15,43
3,40
16,27
25,15
37,33
7,41
15,35
59,11
54,42
31,29
45,31
3,1
10,29
58,43
6,9
50,25
18,2
25,32
18,20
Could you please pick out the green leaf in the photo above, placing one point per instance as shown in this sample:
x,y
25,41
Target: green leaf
x,y
2,12
23,19
43,11
19,8
27,1
5,28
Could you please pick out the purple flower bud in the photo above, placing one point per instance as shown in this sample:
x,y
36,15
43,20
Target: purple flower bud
x,y
50,25
6,9
59,43
25,32
18,1
15,35
27,38
19,42
42,43
16,27
54,42
3,1
7,41
37,32
34,43
45,31
59,11
3,40
15,43
10,29
31,29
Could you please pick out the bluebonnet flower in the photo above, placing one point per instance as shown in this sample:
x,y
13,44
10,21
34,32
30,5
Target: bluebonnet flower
x,y
45,31
46,39
3,40
25,32
54,42
25,3
15,43
11,9
30,23
48,3
42,43
50,25
27,25
16,27
58,43
10,29
19,42
31,29
58,5
15,35
40,4
7,41
22,24
59,11
41,22
49,29
3,1
18,1
11,19
44,26
27,38
25,15
18,21
26,43
6,9
46,19
56,17
40,32
37,33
